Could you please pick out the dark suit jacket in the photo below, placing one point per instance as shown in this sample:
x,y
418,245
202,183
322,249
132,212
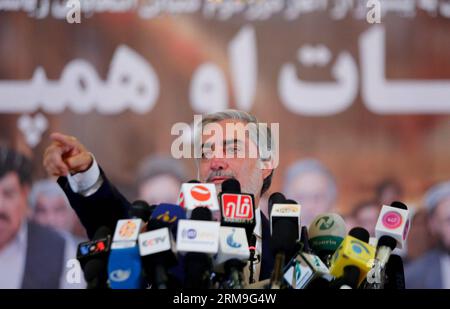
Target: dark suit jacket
x,y
425,272
107,205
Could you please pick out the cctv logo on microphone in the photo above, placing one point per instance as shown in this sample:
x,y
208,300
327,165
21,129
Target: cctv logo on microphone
x,y
237,206
392,220
154,241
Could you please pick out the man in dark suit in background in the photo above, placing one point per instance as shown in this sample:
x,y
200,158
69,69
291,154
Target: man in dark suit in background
x,y
432,270
97,202
32,256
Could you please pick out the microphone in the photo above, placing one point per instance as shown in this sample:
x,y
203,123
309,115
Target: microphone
x,y
237,209
157,254
304,240
395,274
350,278
124,266
307,270
199,239
391,230
141,210
326,233
275,198
284,229
354,252
193,195
170,214
394,222
93,256
232,256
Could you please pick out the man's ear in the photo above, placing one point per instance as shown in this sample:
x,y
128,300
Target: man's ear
x,y
266,167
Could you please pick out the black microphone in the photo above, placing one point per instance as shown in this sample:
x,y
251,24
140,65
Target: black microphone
x,y
395,273
93,258
141,210
284,220
275,198
238,213
157,253
197,265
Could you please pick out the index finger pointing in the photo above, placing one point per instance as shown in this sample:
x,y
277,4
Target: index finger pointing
x,y
64,139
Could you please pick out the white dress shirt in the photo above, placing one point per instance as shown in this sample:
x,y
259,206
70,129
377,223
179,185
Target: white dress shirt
x,y
12,260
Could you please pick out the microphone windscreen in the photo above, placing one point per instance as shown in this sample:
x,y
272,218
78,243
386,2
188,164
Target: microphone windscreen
x,y
360,233
154,224
201,213
275,198
387,241
140,209
102,232
231,185
326,232
400,205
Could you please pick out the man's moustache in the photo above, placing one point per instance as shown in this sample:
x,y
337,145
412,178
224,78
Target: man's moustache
x,y
218,174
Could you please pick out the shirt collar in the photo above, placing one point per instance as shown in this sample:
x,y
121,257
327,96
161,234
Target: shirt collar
x,y
20,240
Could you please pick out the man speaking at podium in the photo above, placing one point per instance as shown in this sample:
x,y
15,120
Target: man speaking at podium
x,y
98,203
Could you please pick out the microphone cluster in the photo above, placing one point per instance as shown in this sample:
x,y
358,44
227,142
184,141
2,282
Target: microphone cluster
x,y
207,241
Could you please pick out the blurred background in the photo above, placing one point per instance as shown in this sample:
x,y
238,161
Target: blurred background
x,y
362,97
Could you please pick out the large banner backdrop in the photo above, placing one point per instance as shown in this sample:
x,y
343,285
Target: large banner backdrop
x,y
370,99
